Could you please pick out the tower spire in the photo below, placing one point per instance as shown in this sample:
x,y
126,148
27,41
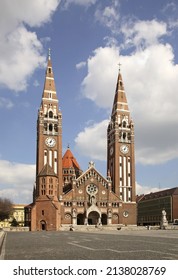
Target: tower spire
x,y
120,99
49,91
49,124
120,152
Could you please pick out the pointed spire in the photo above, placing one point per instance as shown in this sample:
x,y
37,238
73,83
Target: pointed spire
x,y
120,100
49,91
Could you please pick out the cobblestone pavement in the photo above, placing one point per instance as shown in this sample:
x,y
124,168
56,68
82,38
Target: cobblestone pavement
x,y
118,245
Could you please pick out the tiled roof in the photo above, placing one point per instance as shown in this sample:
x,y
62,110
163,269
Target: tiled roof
x,y
69,160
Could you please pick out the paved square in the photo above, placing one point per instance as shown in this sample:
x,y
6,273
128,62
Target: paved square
x,y
117,245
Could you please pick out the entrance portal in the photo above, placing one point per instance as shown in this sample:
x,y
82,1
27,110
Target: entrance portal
x,y
80,219
104,219
93,218
43,225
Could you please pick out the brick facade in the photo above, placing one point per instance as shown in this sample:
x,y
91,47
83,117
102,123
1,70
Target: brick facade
x,y
63,194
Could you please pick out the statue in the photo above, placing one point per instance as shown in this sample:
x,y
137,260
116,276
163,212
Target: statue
x,y
164,222
74,213
92,200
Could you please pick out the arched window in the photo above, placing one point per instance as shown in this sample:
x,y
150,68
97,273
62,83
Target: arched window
x,y
45,126
50,114
124,135
50,127
55,128
124,124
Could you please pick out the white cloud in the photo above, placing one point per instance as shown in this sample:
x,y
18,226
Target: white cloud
x,y
34,13
109,16
21,56
16,181
101,67
146,189
36,83
85,3
143,33
92,141
81,65
20,49
6,103
150,79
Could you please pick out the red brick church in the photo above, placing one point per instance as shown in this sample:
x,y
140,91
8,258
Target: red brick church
x,y
64,194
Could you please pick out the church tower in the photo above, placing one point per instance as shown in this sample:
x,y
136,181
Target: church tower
x,y
120,146
49,129
46,212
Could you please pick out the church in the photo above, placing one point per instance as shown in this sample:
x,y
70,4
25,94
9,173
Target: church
x,y
64,195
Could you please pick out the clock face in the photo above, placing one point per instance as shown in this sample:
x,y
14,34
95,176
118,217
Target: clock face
x,y
125,214
124,149
50,142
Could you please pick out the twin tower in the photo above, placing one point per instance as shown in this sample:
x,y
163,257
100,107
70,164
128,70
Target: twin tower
x,y
64,195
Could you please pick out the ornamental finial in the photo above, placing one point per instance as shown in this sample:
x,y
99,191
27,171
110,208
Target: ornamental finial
x,y
49,54
119,66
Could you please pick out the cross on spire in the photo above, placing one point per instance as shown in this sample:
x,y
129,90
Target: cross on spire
x,y
119,66
49,53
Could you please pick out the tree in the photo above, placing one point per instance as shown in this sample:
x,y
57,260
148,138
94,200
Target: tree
x,y
14,223
6,208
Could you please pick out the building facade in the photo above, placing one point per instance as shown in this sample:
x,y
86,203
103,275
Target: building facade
x,y
64,194
18,215
150,207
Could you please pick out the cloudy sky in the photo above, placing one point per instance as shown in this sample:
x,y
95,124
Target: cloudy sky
x,y
88,38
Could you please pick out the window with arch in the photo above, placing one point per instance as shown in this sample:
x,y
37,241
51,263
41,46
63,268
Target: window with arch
x,y
124,135
50,114
124,124
45,126
55,128
50,127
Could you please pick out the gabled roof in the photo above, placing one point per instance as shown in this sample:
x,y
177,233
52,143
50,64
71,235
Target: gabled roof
x,y
91,171
69,161
47,171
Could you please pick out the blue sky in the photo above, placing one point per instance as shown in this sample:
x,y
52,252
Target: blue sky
x,y
88,38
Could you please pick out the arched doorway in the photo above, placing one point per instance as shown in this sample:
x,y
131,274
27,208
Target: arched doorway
x,y
104,219
43,225
80,219
67,218
115,219
93,218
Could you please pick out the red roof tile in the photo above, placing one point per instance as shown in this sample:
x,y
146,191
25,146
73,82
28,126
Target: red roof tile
x,y
69,160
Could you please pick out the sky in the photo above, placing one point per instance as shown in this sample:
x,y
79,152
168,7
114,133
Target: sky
x,y
88,39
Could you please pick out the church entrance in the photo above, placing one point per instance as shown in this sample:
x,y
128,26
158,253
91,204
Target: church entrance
x,y
104,219
93,218
43,225
80,219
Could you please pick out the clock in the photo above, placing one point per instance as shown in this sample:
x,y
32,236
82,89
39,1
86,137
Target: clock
x,y
50,142
111,151
124,149
125,214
